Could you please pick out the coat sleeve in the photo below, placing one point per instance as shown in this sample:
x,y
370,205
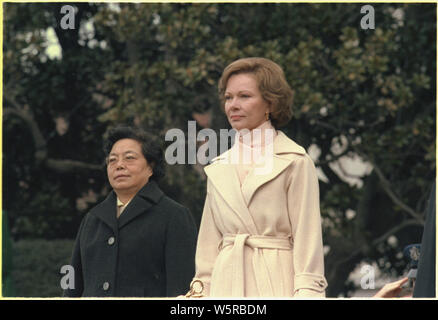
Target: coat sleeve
x,y
180,252
76,262
305,218
207,248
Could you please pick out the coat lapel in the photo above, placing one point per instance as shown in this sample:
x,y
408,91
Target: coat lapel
x,y
223,176
107,212
284,148
147,197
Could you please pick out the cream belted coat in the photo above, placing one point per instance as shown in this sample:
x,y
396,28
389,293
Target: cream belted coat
x,y
262,239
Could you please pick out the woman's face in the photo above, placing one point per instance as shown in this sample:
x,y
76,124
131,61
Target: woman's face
x,y
244,105
128,170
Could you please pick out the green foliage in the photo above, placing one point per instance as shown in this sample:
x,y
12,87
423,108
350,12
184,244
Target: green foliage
x,y
37,265
40,201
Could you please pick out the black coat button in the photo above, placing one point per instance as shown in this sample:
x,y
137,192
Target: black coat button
x,y
111,241
105,286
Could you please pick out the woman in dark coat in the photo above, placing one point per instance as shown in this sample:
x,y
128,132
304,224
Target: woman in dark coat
x,y
137,242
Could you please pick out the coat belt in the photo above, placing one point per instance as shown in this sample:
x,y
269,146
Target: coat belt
x,y
261,270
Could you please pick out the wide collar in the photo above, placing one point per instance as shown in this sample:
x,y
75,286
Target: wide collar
x,y
148,196
282,145
223,176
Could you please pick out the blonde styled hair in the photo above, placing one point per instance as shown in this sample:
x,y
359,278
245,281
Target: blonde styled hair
x,y
271,83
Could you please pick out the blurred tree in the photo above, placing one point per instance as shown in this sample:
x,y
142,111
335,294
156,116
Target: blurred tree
x,y
8,287
364,95
52,138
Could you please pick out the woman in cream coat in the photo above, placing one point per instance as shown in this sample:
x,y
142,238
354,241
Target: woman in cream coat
x,y
260,234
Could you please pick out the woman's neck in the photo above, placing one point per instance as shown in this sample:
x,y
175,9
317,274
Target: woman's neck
x,y
260,136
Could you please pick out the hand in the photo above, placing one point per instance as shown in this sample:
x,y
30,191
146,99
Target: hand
x,y
392,289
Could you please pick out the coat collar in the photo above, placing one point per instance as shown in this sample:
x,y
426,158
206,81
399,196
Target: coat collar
x,y
282,145
285,145
227,183
148,196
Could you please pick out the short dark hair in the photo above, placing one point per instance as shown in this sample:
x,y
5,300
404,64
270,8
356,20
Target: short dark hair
x,y
150,146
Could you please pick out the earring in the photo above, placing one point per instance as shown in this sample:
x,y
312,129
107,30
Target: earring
x,y
267,116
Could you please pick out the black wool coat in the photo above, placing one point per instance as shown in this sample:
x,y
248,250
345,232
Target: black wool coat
x,y
149,251
425,283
